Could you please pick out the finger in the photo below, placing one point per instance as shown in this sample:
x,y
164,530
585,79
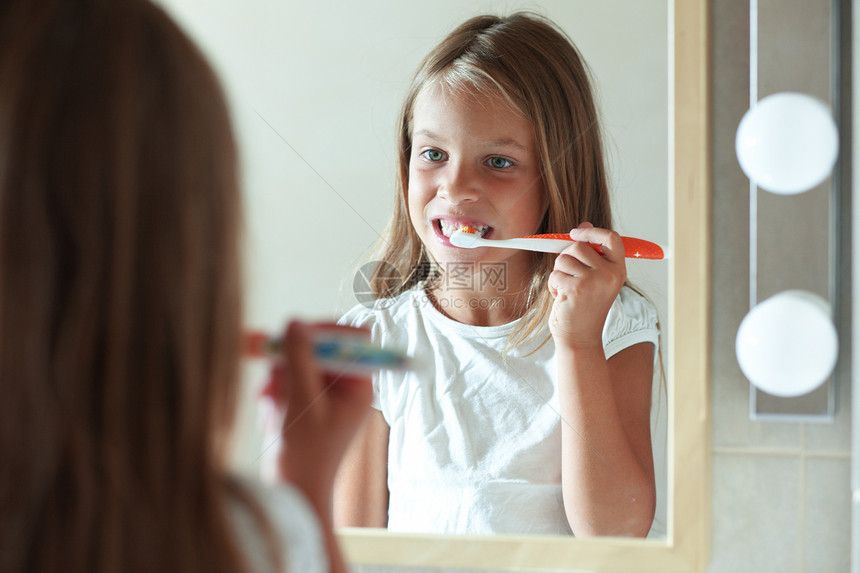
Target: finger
x,y
583,252
609,241
561,284
274,387
551,287
571,264
588,233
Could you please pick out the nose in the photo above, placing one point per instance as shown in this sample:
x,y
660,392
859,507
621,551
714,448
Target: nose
x,y
459,184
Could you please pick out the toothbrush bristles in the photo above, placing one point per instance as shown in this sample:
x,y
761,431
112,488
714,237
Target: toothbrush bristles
x,y
468,229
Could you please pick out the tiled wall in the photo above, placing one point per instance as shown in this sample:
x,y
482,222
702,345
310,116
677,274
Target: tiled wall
x,y
781,491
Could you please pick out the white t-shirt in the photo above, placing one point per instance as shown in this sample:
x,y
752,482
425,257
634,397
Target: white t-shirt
x,y
475,441
296,528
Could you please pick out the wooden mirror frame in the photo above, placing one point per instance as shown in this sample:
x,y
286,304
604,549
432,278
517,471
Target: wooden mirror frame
x,y
687,544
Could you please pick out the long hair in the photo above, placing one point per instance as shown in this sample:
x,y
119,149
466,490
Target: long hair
x,y
120,312
531,63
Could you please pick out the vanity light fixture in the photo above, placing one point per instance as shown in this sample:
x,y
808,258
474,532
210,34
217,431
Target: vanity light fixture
x,y
787,345
787,143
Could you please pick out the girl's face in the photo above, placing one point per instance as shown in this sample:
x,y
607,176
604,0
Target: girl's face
x,y
474,162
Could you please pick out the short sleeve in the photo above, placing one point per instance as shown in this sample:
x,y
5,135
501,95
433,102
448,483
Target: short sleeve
x,y
632,319
295,525
361,316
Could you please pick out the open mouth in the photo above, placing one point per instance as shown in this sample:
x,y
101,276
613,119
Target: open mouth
x,y
447,228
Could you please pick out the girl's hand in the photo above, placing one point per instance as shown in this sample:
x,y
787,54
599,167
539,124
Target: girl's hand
x,y
584,285
323,412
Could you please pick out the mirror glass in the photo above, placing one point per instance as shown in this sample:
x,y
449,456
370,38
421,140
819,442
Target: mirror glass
x,y
315,89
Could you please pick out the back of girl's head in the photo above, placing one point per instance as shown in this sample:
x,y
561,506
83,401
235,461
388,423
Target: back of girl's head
x,y
531,63
119,289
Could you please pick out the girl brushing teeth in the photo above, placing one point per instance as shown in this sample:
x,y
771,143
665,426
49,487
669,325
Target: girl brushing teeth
x,y
531,411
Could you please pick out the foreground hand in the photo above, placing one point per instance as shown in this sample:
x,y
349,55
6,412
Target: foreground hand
x,y
323,412
584,284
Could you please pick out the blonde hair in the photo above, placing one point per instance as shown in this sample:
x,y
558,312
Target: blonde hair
x,y
120,294
530,62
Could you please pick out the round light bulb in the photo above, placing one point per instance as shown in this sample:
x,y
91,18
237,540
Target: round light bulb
x,y
787,143
787,345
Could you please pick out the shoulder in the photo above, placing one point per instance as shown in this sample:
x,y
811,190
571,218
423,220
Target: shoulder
x,y
631,319
294,527
635,305
361,315
385,315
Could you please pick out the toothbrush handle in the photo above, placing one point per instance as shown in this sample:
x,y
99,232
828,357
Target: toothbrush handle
x,y
633,248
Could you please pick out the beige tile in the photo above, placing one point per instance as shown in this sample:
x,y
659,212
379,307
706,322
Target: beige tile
x,y
756,514
827,515
733,427
834,436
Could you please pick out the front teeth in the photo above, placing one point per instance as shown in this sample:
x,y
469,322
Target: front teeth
x,y
449,228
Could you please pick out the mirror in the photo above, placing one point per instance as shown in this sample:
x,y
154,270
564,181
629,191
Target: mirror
x,y
315,89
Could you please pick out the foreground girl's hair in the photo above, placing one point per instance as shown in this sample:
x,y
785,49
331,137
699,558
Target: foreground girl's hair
x,y
533,65
119,293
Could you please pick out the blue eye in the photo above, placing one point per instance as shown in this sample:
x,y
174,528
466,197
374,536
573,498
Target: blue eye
x,y
499,162
433,155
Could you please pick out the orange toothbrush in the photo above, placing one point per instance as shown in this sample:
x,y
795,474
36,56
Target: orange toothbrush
x,y
555,243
